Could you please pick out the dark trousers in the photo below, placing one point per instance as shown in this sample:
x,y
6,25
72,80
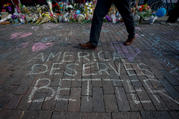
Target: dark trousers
x,y
101,10
174,15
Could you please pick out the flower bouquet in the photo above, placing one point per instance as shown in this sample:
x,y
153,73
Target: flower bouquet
x,y
145,13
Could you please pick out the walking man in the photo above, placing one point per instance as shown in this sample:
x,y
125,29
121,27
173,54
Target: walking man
x,y
102,8
174,15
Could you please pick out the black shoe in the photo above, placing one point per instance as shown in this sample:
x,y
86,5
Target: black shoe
x,y
87,45
129,41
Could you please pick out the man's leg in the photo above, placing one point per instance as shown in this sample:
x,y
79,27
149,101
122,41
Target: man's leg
x,y
100,12
102,8
124,9
173,16
145,1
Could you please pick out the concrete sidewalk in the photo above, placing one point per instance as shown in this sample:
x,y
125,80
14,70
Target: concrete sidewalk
x,y
44,74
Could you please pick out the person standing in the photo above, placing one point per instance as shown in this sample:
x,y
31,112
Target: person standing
x,y
174,15
101,9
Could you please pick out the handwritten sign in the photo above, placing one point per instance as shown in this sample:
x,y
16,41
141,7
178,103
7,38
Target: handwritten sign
x,y
63,62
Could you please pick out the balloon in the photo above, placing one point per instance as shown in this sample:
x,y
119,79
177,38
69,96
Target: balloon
x,y
161,12
78,12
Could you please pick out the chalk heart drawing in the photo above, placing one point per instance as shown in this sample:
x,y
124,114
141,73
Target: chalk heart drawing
x,y
125,52
41,46
49,26
20,35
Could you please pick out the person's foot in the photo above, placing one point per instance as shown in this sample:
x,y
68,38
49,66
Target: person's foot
x,y
121,20
87,45
129,41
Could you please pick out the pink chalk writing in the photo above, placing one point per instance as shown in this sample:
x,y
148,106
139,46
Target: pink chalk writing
x,y
19,35
25,35
41,46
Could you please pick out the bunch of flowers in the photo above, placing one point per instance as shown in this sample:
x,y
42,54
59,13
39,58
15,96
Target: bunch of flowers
x,y
7,7
144,11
